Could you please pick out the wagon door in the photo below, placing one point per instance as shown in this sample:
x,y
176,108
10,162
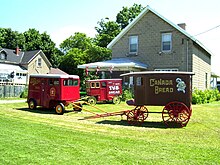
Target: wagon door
x,y
43,93
103,90
139,90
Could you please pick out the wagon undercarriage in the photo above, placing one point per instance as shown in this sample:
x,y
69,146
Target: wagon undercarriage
x,y
174,114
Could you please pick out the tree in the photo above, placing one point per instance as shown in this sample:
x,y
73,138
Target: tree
x,y
78,40
34,41
70,61
11,39
107,31
127,15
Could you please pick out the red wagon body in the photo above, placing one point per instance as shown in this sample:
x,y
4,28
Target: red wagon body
x,y
104,90
53,91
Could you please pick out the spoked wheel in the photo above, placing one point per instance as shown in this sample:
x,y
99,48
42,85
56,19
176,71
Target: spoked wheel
x,y
137,115
92,100
116,100
59,109
176,114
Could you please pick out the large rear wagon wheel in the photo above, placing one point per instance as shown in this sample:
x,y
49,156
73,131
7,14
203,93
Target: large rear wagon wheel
x,y
59,108
32,104
176,114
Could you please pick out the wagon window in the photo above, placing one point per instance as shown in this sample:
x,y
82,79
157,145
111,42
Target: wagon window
x,y
92,85
139,81
53,82
103,84
70,82
97,85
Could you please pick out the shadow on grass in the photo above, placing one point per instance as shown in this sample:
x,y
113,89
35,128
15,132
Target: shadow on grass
x,y
40,110
147,124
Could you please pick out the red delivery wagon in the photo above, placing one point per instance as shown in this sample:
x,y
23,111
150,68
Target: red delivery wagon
x,y
54,91
104,90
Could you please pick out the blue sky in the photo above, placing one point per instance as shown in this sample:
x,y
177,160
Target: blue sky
x,y
62,18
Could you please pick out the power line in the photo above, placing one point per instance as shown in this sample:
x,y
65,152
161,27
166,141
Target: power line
x,y
208,30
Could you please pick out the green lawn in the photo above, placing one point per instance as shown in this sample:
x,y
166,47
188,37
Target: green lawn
x,y
42,137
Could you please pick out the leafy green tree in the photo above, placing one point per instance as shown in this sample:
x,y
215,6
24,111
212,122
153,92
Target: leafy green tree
x,y
11,39
107,31
34,41
78,40
70,61
127,15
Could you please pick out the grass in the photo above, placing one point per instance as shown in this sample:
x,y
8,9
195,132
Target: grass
x,y
42,137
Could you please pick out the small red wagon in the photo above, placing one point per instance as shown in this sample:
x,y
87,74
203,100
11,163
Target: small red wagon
x,y
54,91
104,90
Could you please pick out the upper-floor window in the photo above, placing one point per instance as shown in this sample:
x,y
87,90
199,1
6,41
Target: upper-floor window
x,y
166,42
133,44
2,56
39,62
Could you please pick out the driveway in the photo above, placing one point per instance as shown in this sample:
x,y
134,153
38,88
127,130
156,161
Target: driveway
x,y
12,101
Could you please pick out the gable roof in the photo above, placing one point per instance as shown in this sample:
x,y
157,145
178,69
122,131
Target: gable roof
x,y
23,57
145,11
12,56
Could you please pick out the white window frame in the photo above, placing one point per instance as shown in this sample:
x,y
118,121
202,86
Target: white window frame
x,y
168,40
132,39
39,62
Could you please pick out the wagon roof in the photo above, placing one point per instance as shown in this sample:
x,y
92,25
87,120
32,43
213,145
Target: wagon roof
x,y
156,72
105,80
54,76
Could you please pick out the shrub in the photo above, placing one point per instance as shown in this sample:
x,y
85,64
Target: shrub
x,y
24,94
127,94
206,96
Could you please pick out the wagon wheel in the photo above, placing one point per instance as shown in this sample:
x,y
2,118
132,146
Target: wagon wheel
x,y
59,109
116,100
92,100
176,114
137,115
32,104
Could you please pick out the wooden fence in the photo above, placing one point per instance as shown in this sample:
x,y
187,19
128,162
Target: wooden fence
x,y
11,90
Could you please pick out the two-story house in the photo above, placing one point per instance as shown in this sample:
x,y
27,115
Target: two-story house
x,y
16,65
152,42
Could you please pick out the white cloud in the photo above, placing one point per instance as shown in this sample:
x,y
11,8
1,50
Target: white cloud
x,y
59,35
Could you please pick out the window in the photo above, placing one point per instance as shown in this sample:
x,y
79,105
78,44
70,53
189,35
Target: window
x,y
2,56
166,42
39,62
70,82
95,85
139,81
133,44
53,81
103,84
